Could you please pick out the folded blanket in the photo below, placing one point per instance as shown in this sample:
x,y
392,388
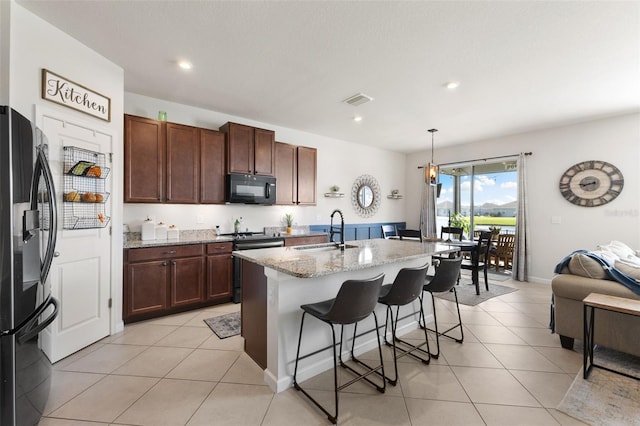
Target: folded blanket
x,y
610,270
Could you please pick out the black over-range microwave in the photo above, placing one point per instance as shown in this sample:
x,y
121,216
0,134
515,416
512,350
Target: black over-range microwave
x,y
250,189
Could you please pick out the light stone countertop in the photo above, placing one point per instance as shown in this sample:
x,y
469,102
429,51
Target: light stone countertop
x,y
319,260
201,236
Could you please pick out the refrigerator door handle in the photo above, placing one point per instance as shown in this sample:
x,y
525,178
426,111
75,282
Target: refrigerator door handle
x,y
33,327
42,167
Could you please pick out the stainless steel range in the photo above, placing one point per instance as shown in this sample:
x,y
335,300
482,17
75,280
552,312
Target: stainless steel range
x,y
249,241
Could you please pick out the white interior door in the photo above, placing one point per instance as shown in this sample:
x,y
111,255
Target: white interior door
x,y
81,272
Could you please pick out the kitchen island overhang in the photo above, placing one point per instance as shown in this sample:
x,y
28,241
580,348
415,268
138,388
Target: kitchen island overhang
x,y
299,275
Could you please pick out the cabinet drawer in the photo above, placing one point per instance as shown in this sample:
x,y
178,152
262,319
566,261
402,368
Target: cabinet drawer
x,y
219,248
164,252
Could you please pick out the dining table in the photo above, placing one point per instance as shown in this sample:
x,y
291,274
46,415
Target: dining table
x,y
467,246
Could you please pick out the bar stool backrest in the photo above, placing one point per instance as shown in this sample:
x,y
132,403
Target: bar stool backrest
x,y
355,301
406,287
446,276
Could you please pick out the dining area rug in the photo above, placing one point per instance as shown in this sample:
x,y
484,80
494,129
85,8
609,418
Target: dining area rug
x,y
224,326
467,292
606,398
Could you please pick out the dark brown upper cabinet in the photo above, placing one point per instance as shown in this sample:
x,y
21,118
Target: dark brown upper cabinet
x,y
250,150
144,152
296,174
212,166
183,164
172,163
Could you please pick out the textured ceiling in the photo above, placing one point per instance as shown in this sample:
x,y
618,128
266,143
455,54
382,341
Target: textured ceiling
x,y
522,65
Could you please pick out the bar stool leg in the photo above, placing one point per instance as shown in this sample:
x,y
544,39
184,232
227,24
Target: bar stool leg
x,y
370,369
444,333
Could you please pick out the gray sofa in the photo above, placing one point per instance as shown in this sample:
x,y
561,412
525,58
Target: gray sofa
x,y
613,330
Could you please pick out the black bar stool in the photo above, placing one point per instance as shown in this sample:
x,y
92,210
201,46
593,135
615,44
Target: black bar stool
x,y
356,300
444,280
406,288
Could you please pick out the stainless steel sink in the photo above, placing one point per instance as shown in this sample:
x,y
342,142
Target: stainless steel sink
x,y
324,247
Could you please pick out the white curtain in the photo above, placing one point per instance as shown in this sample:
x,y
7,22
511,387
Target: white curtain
x,y
428,210
521,249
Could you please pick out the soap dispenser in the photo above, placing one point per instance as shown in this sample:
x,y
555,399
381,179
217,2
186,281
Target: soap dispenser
x,y
148,230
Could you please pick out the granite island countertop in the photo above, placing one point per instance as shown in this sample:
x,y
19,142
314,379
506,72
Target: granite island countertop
x,y
319,260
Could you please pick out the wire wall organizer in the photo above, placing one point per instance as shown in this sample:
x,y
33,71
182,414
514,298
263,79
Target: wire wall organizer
x,y
85,194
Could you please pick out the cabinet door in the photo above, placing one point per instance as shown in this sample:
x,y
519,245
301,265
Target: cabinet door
x,y
187,279
264,152
212,159
307,161
144,145
303,241
183,164
147,285
240,140
286,174
219,277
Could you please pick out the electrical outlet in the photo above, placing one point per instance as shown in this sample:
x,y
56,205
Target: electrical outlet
x,y
199,219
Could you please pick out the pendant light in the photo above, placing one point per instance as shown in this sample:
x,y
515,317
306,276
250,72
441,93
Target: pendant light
x,y
432,169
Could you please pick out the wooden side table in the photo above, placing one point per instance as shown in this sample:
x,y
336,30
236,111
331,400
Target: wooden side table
x,y
608,303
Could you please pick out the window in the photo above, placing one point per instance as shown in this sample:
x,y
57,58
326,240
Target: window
x,y
484,193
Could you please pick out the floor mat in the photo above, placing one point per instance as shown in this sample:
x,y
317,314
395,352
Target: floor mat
x,y
225,325
606,398
467,292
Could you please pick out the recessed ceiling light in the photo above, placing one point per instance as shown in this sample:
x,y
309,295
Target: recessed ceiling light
x,y
185,65
452,84
357,118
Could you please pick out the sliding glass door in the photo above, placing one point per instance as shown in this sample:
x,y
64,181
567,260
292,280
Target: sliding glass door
x,y
478,196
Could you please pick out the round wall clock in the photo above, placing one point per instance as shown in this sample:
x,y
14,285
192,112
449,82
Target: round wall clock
x,y
591,183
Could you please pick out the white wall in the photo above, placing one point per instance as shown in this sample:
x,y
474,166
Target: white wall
x,y
339,163
36,44
615,140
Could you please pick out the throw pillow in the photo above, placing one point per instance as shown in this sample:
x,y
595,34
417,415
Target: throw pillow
x,y
632,271
586,267
621,250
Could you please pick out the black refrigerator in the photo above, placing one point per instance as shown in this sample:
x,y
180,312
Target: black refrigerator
x,y
28,226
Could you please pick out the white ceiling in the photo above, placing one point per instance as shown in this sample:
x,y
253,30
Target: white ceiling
x,y
522,65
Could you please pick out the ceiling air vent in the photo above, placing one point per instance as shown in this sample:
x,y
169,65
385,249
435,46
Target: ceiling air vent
x,y
358,99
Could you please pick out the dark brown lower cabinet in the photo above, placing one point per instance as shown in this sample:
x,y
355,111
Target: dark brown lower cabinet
x,y
219,271
164,280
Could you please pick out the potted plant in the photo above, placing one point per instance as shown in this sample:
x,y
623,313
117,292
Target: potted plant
x,y
460,221
395,192
288,218
495,231
334,188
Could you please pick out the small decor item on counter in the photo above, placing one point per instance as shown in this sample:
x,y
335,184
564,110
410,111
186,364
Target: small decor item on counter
x,y
288,218
148,230
173,233
161,231
236,225
217,230
162,115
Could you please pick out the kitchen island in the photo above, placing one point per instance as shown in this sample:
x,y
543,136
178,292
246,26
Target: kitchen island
x,y
277,281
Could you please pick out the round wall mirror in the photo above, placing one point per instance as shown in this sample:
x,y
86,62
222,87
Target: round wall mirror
x,y
365,195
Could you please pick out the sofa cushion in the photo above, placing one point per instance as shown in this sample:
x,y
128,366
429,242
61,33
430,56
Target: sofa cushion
x,y
577,288
631,270
586,267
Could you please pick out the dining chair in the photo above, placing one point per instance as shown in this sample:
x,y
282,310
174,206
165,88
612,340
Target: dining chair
x,y
389,231
451,231
503,250
410,234
479,260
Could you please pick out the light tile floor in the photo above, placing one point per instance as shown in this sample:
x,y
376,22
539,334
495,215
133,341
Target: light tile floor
x,y
174,371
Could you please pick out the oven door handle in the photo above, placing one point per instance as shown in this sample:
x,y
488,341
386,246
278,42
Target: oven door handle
x,y
252,245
